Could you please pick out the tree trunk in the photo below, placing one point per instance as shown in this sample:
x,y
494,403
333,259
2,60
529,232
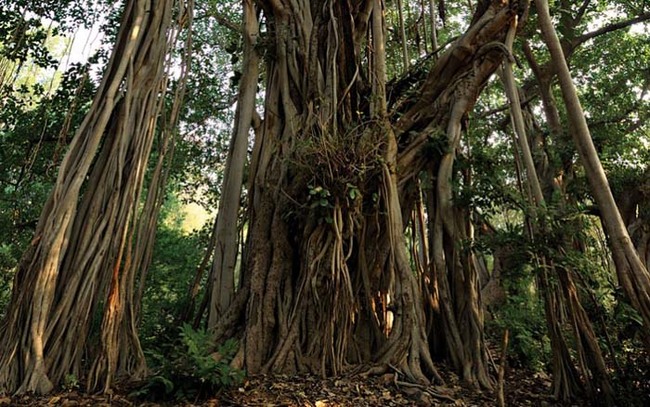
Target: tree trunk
x,y
327,264
226,243
81,248
592,365
632,274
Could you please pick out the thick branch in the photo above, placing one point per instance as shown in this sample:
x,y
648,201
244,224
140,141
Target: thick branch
x,y
609,28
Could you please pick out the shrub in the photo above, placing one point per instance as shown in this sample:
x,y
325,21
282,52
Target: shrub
x,y
191,368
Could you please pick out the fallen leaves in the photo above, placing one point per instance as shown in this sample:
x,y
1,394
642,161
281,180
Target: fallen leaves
x,y
68,399
314,391
377,388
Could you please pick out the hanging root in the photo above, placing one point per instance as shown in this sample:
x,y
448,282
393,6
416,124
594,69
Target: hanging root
x,y
407,345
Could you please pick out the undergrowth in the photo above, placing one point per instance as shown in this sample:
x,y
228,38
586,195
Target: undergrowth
x,y
191,368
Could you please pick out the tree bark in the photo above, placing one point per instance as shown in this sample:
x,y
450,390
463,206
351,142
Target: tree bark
x,y
226,244
330,281
78,256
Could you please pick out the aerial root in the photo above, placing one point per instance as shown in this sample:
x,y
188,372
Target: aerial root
x,y
437,392
394,375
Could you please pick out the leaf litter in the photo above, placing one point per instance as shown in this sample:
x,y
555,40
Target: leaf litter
x,y
522,387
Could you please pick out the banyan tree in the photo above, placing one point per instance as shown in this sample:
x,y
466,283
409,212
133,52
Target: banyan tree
x,y
336,173
354,250
345,164
91,241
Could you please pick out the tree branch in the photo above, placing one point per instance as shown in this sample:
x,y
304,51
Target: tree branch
x,y
609,28
581,11
504,107
619,118
221,19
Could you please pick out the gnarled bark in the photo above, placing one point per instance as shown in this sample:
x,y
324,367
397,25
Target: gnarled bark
x,y
81,248
330,284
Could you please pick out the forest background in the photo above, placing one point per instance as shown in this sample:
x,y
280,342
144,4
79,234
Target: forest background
x,y
390,184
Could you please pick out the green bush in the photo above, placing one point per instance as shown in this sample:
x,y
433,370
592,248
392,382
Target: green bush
x,y
523,311
173,268
523,316
191,367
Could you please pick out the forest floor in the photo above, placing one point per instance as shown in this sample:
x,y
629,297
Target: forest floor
x,y
522,388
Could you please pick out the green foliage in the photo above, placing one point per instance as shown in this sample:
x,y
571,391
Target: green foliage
x,y
23,38
632,380
70,382
211,368
192,367
353,191
207,113
523,311
319,197
632,377
179,359
523,316
175,258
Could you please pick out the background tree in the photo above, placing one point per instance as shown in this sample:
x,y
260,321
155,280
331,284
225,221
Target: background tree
x,y
84,239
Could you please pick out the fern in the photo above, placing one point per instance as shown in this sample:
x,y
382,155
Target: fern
x,y
193,368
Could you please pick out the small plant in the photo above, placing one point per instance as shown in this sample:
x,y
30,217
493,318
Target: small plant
x,y
353,191
321,200
70,382
206,366
319,197
193,368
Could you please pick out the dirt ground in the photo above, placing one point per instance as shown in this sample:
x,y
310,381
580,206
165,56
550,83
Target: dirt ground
x,y
521,389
